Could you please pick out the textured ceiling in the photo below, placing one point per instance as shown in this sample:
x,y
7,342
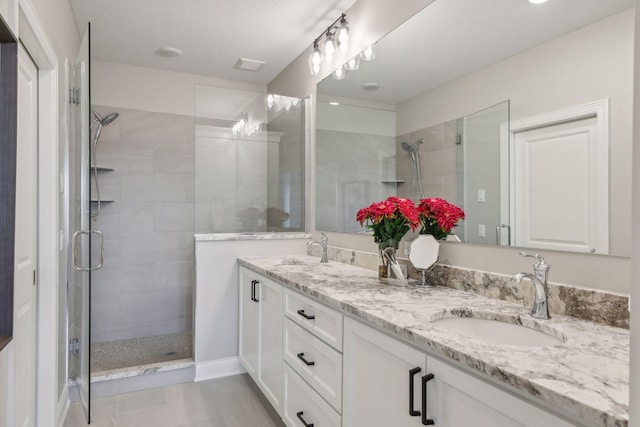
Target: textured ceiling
x,y
451,38
213,34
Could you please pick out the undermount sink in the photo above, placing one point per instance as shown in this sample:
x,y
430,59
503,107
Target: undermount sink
x,y
296,261
499,329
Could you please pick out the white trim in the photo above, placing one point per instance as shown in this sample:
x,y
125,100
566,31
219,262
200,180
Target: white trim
x,y
63,407
218,369
599,110
34,37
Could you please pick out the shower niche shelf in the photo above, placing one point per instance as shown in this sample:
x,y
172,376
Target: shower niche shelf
x,y
392,181
102,200
102,168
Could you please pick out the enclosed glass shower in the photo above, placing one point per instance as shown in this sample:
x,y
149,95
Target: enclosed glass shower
x,y
148,181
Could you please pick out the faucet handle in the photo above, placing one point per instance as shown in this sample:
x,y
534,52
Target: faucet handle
x,y
541,264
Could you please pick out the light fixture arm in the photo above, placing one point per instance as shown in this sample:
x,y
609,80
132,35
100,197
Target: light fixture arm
x,y
329,28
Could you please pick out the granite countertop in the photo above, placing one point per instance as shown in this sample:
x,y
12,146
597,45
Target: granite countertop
x,y
587,376
250,236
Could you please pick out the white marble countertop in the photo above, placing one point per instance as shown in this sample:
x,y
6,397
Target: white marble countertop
x,y
249,236
587,376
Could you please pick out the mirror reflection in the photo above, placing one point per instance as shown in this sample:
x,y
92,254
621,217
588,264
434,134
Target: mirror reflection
x,y
519,113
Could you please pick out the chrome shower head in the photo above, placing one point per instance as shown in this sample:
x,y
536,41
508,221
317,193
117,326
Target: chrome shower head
x,y
411,148
103,120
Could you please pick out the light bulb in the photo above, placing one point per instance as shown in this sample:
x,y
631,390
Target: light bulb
x,y
270,101
339,73
343,34
329,46
315,60
353,64
368,54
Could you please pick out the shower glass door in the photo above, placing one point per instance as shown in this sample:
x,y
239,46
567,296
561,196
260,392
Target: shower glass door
x,y
79,292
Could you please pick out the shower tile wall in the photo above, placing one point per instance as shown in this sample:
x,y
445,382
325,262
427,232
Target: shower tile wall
x,y
437,162
350,170
145,286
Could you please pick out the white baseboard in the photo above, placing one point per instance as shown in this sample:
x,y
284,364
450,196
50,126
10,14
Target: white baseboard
x,y
218,369
62,408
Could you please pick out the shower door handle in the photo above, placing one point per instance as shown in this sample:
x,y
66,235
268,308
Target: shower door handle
x,y
74,249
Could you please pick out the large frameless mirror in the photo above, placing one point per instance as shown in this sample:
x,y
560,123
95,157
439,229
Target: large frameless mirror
x,y
519,113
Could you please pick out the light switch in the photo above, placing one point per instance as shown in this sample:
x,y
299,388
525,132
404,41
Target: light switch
x,y
481,195
481,230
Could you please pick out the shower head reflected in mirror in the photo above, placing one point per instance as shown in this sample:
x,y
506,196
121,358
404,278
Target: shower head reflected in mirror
x,y
412,149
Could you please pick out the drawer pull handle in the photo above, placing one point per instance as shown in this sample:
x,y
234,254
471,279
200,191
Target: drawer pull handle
x,y
253,290
306,362
425,421
412,374
306,316
299,414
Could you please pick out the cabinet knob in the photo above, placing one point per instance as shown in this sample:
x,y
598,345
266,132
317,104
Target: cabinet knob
x,y
299,414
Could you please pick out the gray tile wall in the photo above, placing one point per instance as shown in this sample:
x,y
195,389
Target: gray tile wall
x,y
437,162
145,287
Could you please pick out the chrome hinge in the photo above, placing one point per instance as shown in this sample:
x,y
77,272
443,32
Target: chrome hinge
x,y
458,139
74,95
34,277
74,346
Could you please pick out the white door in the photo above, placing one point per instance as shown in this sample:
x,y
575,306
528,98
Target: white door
x,y
560,196
26,244
379,376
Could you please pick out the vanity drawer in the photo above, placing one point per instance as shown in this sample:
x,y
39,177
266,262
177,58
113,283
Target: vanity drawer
x,y
303,406
316,362
320,320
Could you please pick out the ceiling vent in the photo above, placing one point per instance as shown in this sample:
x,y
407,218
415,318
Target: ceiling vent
x,y
249,64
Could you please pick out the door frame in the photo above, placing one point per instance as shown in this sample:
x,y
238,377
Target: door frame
x,y
34,38
597,109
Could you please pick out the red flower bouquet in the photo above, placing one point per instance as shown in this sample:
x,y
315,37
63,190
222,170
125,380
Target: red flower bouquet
x,y
437,217
390,220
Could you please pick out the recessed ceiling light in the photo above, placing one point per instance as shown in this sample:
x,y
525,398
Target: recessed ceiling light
x,y
249,64
168,52
371,86
537,1
334,103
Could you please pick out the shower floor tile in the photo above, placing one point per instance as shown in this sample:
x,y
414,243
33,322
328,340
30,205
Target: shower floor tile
x,y
119,354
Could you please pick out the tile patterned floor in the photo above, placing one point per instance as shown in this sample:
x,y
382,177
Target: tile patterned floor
x,y
224,402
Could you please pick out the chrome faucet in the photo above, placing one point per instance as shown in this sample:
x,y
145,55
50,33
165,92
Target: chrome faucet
x,y
323,243
540,308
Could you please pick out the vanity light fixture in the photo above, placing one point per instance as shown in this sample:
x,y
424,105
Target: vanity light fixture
x,y
368,54
353,64
340,73
336,36
537,1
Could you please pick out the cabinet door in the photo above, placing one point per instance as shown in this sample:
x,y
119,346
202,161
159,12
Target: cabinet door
x,y
270,341
376,379
248,342
456,399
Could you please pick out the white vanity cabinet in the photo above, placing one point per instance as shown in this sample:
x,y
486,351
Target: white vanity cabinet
x,y
376,380
381,374
260,344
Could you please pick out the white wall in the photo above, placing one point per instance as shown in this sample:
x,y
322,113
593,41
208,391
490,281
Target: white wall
x,y
373,19
216,299
5,391
151,89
